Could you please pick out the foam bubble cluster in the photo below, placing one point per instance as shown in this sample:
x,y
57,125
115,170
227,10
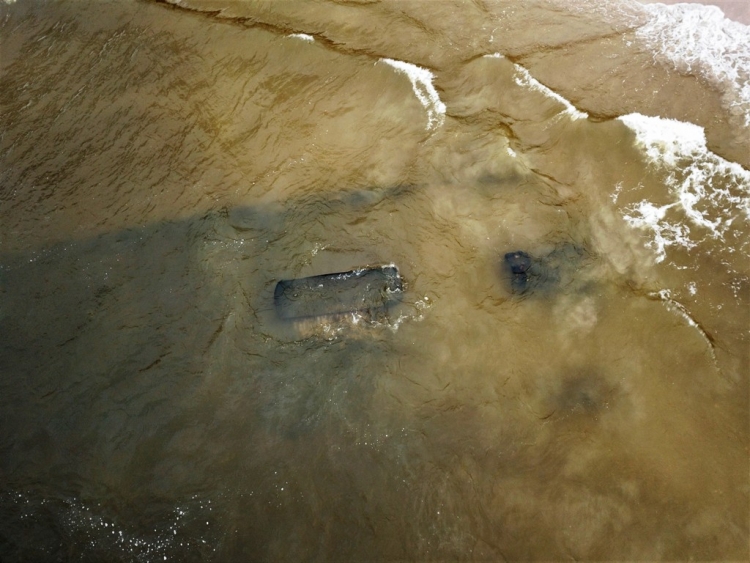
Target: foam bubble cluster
x,y
709,193
89,530
699,40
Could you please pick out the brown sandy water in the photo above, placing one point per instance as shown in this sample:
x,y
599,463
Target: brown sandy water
x,y
163,168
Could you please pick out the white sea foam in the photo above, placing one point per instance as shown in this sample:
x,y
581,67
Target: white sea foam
x,y
666,141
665,232
698,40
709,192
421,82
678,308
303,36
523,78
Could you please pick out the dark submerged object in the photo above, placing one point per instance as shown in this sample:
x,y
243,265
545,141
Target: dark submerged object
x,y
522,275
371,289
552,271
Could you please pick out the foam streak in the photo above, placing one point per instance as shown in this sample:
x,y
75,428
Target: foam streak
x,y
421,82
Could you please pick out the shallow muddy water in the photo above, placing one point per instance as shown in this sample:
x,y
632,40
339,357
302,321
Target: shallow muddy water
x,y
563,376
